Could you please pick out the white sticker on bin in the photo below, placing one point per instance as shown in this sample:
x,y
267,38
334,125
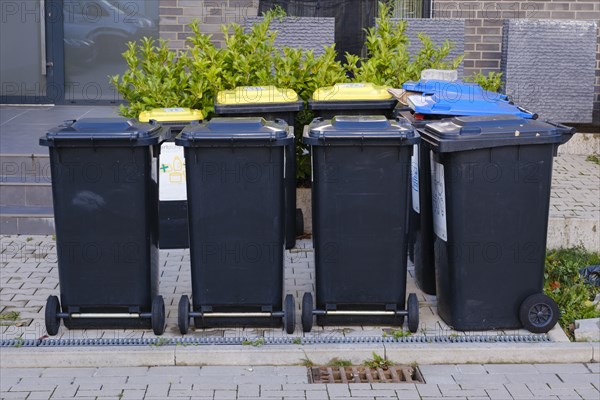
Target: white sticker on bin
x,y
438,199
414,179
171,173
173,110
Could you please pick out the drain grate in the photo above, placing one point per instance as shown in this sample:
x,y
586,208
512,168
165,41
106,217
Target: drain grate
x,y
356,374
192,341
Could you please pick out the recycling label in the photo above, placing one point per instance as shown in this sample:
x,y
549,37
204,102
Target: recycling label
x,y
414,179
438,199
171,173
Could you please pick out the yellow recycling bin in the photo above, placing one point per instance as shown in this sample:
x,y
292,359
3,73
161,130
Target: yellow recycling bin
x,y
172,192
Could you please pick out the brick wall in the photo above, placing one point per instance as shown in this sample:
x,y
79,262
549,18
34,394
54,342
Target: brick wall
x,y
175,15
483,28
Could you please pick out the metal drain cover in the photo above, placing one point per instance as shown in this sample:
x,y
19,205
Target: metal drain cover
x,y
361,374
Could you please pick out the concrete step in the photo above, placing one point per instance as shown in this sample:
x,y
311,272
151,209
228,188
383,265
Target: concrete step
x,y
26,220
25,191
25,167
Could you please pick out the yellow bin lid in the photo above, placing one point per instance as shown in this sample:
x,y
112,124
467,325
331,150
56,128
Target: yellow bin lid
x,y
256,95
172,115
352,92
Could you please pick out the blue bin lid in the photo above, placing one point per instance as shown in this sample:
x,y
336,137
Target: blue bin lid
x,y
242,131
360,130
433,86
103,132
476,132
457,104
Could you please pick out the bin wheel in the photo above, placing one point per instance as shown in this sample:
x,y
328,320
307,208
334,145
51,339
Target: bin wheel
x,y
413,313
307,312
289,314
158,315
299,222
183,314
51,315
538,313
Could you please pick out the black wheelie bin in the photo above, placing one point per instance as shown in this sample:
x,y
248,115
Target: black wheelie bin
x,y
491,178
172,210
360,197
235,183
270,103
439,100
105,196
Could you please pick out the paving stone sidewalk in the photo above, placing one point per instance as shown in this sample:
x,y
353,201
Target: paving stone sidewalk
x,y
29,274
457,382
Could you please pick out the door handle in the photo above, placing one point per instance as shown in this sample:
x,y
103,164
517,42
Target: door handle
x,y
44,61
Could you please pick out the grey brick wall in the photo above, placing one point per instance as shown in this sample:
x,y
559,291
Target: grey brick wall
x,y
175,15
302,32
549,67
483,28
438,30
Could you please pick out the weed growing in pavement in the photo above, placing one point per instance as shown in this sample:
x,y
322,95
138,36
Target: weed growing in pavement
x,y
399,333
593,158
10,316
297,340
161,342
378,362
336,362
255,343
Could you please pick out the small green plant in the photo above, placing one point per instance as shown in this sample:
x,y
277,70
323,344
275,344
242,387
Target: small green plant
x,y
255,343
399,333
10,316
54,238
491,82
593,158
161,341
297,340
378,362
336,362
564,284
307,362
19,341
29,239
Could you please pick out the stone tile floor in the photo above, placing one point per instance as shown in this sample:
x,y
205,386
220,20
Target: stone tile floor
x,y
29,274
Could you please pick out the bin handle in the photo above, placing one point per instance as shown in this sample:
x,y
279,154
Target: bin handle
x,y
564,128
533,115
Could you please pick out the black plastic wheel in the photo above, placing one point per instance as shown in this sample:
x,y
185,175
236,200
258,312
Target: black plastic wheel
x,y
307,312
413,312
158,315
289,317
538,313
183,314
51,315
299,222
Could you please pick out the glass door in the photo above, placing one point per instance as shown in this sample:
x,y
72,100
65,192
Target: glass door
x,y
96,33
28,38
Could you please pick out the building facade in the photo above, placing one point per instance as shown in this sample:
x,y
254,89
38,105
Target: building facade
x,y
61,51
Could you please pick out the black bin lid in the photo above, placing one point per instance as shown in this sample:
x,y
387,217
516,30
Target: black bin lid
x,y
103,132
470,133
235,132
365,130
